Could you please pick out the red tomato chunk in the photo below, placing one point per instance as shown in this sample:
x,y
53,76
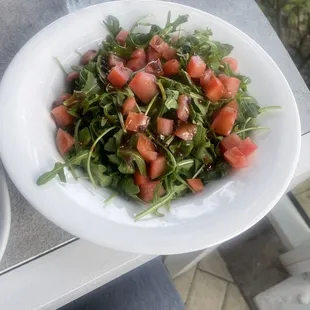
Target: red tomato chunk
x,y
186,132
196,185
232,62
122,37
233,104
140,179
136,122
61,116
115,60
157,167
152,54
171,67
214,89
119,76
72,76
64,141
154,67
129,105
137,60
196,67
183,108
224,122
170,53
148,190
229,142
88,56
144,86
146,148
61,99
164,126
235,158
231,85
205,79
247,146
158,44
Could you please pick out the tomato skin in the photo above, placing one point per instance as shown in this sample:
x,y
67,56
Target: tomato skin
x,y
137,60
224,122
229,142
154,67
231,85
247,146
146,148
129,105
205,79
164,126
152,54
88,56
61,99
214,89
115,60
72,76
148,190
171,67
157,167
136,122
235,158
232,62
158,44
183,108
119,76
196,67
196,185
170,53
144,86
122,37
186,132
140,179
64,141
233,104
61,116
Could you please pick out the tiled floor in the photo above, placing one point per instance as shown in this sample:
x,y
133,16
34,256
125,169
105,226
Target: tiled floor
x,y
210,286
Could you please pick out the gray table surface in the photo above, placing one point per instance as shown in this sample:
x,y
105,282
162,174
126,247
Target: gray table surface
x,y
31,234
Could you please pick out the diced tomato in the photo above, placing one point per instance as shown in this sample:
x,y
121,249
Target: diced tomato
x,y
186,132
229,142
235,158
195,184
214,89
247,146
61,99
183,108
205,79
129,105
196,67
146,148
88,56
64,141
122,37
232,62
144,86
137,60
170,53
157,167
233,104
164,126
61,116
72,76
154,67
224,122
136,122
171,67
152,54
158,44
148,190
140,179
231,85
119,76
115,60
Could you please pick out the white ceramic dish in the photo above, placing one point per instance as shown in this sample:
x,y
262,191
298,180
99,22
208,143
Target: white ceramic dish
x,y
5,213
225,208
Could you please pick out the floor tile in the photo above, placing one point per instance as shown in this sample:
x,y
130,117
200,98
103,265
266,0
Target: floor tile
x,y
183,282
304,200
214,264
301,188
234,300
207,292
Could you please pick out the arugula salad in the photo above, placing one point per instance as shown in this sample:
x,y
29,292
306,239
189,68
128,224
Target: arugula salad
x,y
154,115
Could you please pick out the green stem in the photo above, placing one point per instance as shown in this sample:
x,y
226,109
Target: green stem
x,y
107,200
150,105
60,65
92,150
198,171
185,162
266,109
162,90
252,128
76,135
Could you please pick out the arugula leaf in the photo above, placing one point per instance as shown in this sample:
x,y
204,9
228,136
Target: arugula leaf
x,y
91,86
99,176
113,26
126,168
128,186
248,107
130,157
113,158
84,136
61,172
172,99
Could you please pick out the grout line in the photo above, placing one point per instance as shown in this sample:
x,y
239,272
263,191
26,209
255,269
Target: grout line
x,y
219,277
225,295
191,286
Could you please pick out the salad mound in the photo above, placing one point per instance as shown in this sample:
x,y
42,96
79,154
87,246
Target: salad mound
x,y
154,115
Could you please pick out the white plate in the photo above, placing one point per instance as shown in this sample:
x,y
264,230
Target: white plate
x,y
5,213
225,208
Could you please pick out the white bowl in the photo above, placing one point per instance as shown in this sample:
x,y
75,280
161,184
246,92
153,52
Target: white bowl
x,y
225,208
